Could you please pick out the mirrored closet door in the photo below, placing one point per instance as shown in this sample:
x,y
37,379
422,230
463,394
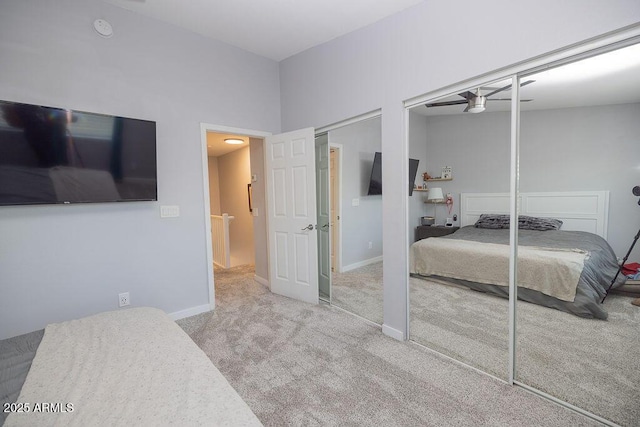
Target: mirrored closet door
x,y
352,160
579,161
458,293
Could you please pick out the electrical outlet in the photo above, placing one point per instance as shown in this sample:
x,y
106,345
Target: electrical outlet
x,y
370,245
123,299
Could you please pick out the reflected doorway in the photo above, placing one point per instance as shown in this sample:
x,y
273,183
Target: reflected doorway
x,y
350,219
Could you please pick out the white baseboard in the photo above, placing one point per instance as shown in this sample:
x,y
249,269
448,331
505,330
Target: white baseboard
x,y
393,333
261,280
355,265
190,312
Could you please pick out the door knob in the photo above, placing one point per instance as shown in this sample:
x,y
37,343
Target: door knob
x,y
326,225
308,227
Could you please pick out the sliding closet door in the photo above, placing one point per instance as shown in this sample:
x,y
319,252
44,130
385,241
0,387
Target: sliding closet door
x,y
579,161
356,284
458,293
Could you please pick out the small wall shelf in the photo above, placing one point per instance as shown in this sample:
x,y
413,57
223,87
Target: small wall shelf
x,y
426,190
440,179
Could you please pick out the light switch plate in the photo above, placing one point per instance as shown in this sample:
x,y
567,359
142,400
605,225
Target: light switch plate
x,y
169,211
355,202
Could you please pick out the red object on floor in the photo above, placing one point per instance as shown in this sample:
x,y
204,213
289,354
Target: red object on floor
x,y
631,268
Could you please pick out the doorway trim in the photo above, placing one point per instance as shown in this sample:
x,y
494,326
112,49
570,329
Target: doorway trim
x,y
204,128
370,115
338,244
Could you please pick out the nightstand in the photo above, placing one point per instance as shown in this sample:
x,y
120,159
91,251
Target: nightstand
x,y
425,231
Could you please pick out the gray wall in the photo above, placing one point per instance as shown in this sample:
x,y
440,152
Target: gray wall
x,y
63,262
570,149
214,187
360,224
421,49
234,173
592,148
259,203
417,144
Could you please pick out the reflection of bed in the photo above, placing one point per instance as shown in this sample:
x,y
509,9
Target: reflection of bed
x,y
128,367
568,270
19,185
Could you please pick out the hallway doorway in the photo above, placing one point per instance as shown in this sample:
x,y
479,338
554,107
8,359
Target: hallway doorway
x,y
230,188
234,183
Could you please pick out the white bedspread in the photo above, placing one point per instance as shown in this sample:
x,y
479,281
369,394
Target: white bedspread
x,y
125,368
554,272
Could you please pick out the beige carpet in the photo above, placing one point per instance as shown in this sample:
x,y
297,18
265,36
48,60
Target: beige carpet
x,y
590,363
359,291
298,364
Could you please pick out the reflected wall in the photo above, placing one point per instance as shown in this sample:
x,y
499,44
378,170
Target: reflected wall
x,y
357,225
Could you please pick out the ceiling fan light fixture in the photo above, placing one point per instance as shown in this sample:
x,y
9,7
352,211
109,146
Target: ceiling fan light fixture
x,y
477,104
234,141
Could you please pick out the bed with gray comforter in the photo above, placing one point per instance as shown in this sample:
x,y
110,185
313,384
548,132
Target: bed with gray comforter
x,y
600,266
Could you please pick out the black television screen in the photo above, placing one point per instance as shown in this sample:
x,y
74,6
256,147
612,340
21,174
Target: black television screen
x,y
413,169
375,182
54,155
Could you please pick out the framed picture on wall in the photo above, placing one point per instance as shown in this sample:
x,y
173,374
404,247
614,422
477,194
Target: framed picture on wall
x,y
446,172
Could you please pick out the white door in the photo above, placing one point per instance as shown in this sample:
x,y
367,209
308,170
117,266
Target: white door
x,y
291,210
335,208
322,202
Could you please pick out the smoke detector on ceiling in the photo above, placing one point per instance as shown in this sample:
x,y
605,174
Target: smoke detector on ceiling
x,y
103,27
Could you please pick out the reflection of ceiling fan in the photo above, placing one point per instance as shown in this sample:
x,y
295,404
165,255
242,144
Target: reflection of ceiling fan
x,y
477,102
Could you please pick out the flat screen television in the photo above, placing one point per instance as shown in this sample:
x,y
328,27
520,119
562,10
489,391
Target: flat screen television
x,y
53,155
375,181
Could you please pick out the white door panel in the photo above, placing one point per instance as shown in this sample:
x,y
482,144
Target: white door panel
x,y
291,209
334,192
323,205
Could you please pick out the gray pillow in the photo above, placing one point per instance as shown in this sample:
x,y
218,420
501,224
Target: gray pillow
x,y
525,222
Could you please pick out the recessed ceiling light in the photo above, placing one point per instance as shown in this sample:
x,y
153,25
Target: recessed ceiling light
x,y
234,141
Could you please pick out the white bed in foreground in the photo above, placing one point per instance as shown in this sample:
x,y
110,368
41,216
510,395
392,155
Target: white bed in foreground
x,y
127,367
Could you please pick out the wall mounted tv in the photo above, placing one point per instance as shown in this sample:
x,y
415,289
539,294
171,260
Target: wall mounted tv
x,y
54,155
375,182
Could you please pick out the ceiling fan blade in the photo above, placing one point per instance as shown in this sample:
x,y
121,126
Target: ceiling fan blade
x,y
509,99
507,87
445,103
